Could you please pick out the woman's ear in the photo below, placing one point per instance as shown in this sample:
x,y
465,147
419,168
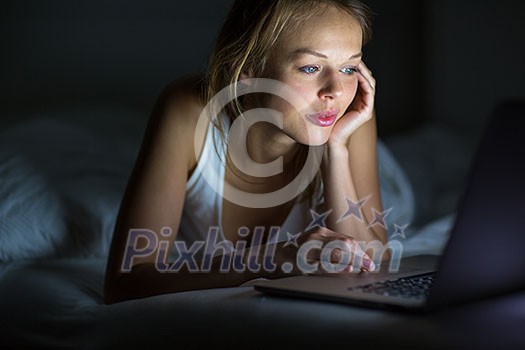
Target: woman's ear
x,y
246,75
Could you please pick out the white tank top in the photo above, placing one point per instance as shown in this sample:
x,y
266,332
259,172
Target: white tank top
x,y
203,205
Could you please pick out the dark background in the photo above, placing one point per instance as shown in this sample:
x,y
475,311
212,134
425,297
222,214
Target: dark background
x,y
444,63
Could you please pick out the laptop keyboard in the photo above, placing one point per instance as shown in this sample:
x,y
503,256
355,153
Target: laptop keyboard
x,y
415,287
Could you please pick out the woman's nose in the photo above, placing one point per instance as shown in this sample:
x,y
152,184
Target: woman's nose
x,y
331,87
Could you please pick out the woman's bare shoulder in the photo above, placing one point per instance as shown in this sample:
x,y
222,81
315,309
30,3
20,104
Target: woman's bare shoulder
x,y
182,99
177,111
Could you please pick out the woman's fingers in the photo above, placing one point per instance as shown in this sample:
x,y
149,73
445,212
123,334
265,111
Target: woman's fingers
x,y
367,85
366,74
364,99
334,252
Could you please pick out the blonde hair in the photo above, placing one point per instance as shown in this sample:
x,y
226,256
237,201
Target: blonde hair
x,y
247,38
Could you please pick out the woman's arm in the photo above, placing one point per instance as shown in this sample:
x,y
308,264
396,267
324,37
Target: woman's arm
x,y
352,174
154,198
350,169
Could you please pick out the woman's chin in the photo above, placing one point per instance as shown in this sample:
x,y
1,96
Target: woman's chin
x,y
315,138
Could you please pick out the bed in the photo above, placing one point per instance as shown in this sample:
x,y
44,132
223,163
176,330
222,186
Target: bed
x,y
62,175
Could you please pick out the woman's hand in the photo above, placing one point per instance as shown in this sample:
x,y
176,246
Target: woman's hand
x,y
360,110
322,251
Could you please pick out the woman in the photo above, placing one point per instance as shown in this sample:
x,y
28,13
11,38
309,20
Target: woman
x,y
312,50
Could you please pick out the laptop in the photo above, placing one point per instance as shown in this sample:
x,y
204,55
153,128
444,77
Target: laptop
x,y
484,255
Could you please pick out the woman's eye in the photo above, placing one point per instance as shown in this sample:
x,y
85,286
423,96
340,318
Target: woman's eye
x,y
349,70
309,69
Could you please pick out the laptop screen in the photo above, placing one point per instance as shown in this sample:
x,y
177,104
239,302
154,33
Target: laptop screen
x,y
484,255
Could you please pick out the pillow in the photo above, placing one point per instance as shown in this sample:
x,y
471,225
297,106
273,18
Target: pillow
x,y
61,182
31,214
436,160
396,190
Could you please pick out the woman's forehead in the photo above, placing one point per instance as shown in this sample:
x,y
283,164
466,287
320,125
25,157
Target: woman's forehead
x,y
327,31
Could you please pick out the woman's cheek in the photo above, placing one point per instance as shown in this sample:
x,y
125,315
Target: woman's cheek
x,y
352,92
305,93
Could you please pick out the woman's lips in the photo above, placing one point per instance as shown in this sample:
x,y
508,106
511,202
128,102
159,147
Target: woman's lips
x,y
324,118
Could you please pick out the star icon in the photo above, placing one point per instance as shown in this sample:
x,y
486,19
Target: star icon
x,y
354,208
399,231
379,217
318,220
292,239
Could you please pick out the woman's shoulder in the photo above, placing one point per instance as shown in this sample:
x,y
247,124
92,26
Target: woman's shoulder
x,y
182,99
177,111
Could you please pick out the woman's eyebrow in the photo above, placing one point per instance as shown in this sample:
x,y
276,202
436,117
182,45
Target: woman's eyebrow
x,y
306,51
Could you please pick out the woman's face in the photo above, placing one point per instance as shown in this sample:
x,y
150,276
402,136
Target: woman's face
x,y
318,61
